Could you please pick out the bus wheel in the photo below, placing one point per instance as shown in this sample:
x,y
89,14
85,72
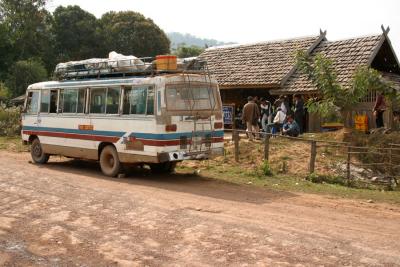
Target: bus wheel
x,y
109,161
37,153
165,167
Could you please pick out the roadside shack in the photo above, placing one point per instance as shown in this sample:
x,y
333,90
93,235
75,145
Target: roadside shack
x,y
268,69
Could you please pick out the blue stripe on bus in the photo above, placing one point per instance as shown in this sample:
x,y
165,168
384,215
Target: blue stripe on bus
x,y
163,136
74,131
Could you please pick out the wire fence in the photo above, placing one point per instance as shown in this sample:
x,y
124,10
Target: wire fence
x,y
384,159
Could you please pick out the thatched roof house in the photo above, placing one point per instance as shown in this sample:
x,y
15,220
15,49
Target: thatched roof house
x,y
268,69
261,65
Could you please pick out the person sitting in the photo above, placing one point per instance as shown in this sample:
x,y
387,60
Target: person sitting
x,y
291,128
278,121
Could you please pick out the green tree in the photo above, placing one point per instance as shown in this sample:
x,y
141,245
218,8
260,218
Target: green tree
x,y
23,73
6,51
131,33
184,51
27,22
75,34
332,95
4,93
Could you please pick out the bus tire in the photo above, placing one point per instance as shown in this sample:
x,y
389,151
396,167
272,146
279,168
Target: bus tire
x,y
165,167
109,161
37,154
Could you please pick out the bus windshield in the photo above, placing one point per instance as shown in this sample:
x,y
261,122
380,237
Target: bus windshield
x,y
195,97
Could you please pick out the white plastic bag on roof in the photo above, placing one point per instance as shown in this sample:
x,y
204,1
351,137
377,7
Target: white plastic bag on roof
x,y
124,63
87,65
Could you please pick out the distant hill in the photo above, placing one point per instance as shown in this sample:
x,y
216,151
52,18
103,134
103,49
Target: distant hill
x,y
189,40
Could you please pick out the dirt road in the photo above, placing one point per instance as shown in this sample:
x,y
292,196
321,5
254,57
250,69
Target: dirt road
x,y
67,214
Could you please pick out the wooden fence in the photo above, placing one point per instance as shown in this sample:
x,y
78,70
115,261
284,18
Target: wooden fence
x,y
392,152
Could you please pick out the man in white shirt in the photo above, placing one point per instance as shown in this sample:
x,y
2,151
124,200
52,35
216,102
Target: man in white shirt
x,y
278,121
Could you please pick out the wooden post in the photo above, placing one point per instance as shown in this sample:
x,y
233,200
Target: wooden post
x,y
348,167
266,146
313,156
236,142
391,160
233,119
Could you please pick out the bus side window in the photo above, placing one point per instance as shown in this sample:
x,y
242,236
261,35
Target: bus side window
x,y
53,101
138,101
81,100
70,100
113,100
45,101
138,98
158,102
32,103
150,101
98,100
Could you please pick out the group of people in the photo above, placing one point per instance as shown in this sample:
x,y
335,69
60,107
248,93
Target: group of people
x,y
274,118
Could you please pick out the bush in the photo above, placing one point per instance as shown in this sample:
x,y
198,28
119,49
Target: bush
x,y
316,178
10,124
266,168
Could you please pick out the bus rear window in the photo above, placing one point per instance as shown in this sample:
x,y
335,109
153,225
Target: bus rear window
x,y
190,98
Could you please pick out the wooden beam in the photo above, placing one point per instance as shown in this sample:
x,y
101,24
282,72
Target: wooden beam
x,y
322,36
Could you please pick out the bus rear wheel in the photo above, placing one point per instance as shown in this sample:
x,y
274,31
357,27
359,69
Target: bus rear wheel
x,y
165,167
109,161
37,154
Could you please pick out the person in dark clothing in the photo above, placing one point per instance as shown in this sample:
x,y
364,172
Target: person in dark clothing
x,y
379,109
250,117
290,128
299,111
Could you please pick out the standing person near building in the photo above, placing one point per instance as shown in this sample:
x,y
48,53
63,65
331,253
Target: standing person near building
x,y
250,117
265,113
283,103
299,111
379,109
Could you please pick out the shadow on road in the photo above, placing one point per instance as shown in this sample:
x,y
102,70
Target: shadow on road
x,y
185,183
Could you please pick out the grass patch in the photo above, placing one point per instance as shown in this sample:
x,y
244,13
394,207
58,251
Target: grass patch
x,y
287,170
284,182
13,144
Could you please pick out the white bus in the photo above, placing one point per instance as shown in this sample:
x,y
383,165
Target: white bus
x,y
157,120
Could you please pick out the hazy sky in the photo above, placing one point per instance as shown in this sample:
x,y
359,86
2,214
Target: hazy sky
x,y
257,20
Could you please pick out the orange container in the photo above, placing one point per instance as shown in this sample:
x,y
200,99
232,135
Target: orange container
x,y
166,62
361,123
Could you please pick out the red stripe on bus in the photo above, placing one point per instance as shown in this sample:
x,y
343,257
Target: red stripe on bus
x,y
148,142
111,139
74,136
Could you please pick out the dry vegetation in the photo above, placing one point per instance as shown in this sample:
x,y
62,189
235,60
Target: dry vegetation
x,y
290,157
289,163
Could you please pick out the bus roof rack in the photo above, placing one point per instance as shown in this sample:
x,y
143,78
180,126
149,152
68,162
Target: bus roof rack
x,y
128,66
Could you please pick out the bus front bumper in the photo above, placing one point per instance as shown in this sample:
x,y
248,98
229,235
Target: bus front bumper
x,y
192,155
